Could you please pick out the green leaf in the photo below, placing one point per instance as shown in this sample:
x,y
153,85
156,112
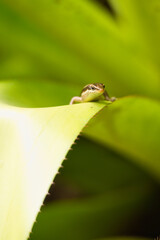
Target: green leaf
x,y
34,142
103,170
92,217
36,93
122,238
141,26
92,54
131,125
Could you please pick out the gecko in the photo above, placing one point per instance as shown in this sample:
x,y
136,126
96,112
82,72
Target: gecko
x,y
92,92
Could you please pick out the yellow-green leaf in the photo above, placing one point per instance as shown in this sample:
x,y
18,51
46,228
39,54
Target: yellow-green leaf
x,y
34,142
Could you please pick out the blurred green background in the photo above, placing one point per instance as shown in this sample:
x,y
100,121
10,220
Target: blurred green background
x,y
49,49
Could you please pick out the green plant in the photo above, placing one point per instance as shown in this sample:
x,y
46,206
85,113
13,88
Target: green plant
x,y
49,51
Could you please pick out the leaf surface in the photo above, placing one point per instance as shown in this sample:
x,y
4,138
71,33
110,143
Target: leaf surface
x,y
92,217
131,125
34,142
47,36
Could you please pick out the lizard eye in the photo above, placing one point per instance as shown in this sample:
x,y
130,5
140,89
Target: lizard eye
x,y
92,88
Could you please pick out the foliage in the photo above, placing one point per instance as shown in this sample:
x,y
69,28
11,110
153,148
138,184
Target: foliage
x,y
110,184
